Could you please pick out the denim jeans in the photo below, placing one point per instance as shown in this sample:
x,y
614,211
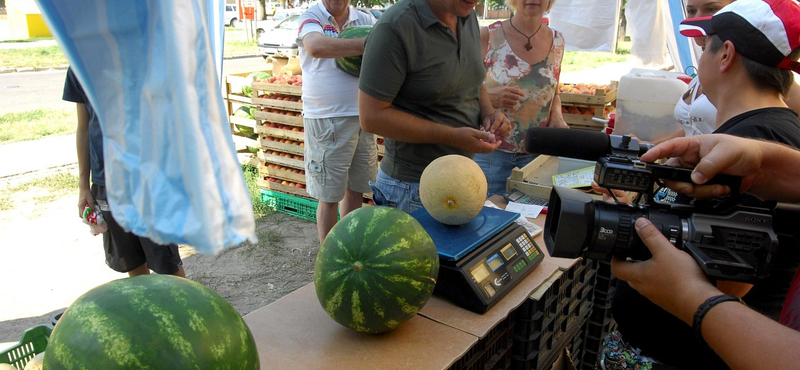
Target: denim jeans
x,y
387,191
497,167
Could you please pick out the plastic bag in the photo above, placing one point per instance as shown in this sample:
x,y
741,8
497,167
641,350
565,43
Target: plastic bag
x,y
149,70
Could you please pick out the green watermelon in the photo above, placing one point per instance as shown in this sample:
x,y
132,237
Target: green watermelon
x,y
259,76
244,111
151,322
376,269
247,90
352,65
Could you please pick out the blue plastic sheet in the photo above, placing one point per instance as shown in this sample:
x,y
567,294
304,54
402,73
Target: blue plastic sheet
x,y
151,71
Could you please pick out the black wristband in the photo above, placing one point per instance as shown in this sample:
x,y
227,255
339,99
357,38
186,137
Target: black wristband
x,y
701,312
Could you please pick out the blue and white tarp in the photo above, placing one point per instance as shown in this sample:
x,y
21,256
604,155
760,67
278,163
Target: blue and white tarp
x,y
151,71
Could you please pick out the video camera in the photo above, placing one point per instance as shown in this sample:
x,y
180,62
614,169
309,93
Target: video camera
x,y
729,240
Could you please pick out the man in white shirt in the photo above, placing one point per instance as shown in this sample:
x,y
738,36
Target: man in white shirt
x,y
341,158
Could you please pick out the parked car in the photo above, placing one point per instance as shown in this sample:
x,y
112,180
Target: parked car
x,y
375,12
231,15
280,39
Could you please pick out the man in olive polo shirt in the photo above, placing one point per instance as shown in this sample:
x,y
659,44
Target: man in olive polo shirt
x,y
421,89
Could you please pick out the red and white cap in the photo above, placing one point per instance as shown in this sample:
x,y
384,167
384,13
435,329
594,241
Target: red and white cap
x,y
765,31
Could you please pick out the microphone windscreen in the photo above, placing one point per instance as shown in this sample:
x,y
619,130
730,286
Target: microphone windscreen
x,y
562,142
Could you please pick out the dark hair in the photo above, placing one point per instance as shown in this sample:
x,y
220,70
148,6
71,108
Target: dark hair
x,y
763,76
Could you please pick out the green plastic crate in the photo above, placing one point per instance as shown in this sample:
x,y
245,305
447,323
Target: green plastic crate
x,y
33,342
290,204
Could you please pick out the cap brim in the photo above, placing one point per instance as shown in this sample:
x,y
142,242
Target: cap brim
x,y
696,27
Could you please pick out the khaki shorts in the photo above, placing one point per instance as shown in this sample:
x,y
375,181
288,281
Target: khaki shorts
x,y
339,156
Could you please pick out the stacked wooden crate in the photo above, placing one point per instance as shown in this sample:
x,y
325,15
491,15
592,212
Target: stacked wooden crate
x,y
279,124
243,128
580,103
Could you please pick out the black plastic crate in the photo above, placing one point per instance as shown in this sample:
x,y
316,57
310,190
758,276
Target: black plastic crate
x,y
534,343
544,358
492,351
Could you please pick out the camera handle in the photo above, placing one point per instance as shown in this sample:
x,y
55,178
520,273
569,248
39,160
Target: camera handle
x,y
719,262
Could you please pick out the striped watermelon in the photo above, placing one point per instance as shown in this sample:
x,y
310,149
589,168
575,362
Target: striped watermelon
x,y
151,322
376,269
352,65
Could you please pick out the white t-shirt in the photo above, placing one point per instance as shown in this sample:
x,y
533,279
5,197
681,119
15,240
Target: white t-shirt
x,y
327,90
697,117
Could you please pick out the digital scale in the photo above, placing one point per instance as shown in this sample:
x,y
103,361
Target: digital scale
x,y
480,261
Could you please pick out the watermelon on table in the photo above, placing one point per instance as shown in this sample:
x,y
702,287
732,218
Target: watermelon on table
x,y
151,322
376,269
352,65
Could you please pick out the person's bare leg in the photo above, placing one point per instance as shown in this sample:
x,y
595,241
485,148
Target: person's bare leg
x,y
180,272
351,202
141,270
326,218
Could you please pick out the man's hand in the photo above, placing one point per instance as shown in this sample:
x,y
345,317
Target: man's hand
x,y
496,124
507,97
475,141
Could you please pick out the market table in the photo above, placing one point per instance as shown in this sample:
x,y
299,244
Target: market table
x,y
294,332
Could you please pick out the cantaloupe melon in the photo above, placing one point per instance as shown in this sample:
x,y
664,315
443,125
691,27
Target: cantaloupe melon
x,y
453,189
36,363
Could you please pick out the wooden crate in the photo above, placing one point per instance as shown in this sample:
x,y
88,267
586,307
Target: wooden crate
x,y
277,173
599,98
536,178
278,118
262,86
279,132
584,122
286,189
233,88
280,104
241,123
282,147
283,161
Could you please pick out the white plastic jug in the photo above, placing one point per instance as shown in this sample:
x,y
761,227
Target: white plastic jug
x,y
646,103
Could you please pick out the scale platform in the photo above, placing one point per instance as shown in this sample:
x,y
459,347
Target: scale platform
x,y
483,259
455,242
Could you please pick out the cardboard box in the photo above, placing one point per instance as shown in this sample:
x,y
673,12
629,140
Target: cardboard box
x,y
295,333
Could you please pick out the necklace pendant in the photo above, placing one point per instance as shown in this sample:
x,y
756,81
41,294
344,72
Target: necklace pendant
x,y
528,46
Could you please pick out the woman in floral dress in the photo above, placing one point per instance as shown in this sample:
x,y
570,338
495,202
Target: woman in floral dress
x,y
522,57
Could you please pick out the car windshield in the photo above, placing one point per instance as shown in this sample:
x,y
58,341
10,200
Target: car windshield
x,y
289,23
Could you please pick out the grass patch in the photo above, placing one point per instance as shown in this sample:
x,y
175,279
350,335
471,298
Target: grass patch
x,y
260,209
42,56
233,48
580,60
32,39
35,124
40,190
50,56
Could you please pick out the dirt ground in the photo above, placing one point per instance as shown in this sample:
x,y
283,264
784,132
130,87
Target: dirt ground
x,y
48,258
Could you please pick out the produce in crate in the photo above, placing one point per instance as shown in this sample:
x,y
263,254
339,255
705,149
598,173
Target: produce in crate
x,y
582,88
376,269
352,65
36,363
7,367
453,189
247,90
244,111
151,322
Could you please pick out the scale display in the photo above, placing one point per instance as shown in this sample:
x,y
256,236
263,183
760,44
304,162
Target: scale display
x,y
481,261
